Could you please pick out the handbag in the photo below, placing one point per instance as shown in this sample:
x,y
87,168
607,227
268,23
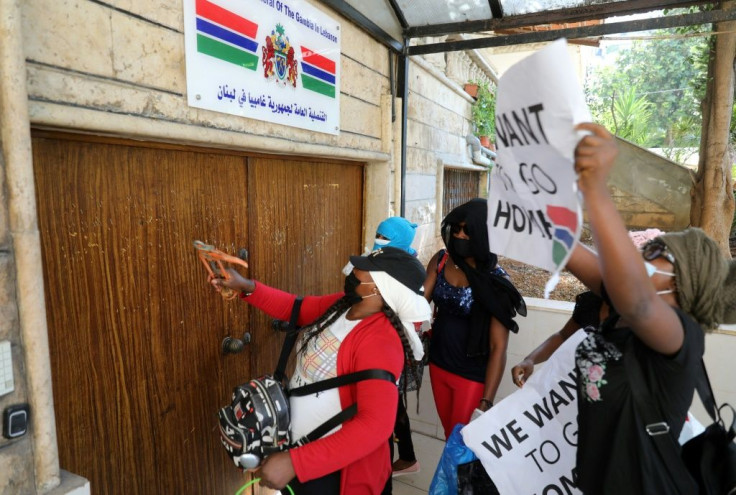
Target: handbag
x,y
709,459
711,456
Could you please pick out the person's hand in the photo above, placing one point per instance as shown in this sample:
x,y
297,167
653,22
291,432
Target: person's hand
x,y
594,157
484,405
276,471
236,282
477,413
521,372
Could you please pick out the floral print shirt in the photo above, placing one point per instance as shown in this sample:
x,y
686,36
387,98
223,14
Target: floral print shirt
x,y
615,455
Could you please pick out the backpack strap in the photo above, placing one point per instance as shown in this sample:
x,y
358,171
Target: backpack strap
x,y
444,254
327,426
345,414
289,341
657,429
705,391
339,381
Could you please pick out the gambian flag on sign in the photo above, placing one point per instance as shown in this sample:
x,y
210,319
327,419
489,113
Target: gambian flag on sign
x,y
565,226
318,73
227,36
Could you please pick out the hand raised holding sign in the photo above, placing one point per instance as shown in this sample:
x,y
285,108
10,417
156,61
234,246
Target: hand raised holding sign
x,y
594,156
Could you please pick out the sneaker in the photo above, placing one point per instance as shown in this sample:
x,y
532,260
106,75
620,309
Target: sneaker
x,y
402,467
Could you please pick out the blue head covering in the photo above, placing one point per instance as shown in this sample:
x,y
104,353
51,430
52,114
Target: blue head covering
x,y
400,233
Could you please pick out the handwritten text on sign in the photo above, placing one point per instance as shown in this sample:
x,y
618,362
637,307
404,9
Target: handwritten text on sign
x,y
533,431
534,214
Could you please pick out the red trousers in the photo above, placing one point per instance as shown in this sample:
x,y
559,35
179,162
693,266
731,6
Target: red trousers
x,y
454,396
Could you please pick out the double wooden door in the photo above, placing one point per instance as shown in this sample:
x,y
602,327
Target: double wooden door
x,y
135,331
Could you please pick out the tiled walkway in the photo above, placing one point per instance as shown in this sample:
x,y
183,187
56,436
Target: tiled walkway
x,y
428,451
426,434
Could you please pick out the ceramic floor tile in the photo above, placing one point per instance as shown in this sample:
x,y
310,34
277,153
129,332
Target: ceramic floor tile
x,y
400,488
428,451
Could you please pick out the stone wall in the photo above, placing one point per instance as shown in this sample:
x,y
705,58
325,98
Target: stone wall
x,y
18,476
94,66
438,123
15,454
650,191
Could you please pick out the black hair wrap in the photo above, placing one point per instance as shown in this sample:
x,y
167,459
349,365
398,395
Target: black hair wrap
x,y
493,295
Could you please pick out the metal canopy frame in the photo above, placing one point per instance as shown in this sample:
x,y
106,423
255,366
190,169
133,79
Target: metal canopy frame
x,y
576,32
502,30
506,30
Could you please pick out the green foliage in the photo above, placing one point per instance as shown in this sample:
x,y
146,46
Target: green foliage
x,y
669,74
685,130
630,116
484,112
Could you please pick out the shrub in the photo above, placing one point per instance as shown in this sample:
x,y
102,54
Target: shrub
x,y
484,112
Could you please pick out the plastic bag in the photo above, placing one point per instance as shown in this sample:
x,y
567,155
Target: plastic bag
x,y
455,452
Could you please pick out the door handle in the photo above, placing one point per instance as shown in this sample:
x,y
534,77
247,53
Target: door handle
x,y
231,345
243,254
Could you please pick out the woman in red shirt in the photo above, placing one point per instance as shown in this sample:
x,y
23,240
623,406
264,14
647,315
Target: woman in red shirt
x,y
369,325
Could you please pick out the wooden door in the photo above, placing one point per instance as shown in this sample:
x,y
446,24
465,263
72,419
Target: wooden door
x,y
306,220
134,330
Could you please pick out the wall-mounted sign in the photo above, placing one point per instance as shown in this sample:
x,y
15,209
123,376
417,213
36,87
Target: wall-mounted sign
x,y
271,60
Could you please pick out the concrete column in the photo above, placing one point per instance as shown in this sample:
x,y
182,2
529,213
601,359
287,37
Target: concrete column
x,y
16,147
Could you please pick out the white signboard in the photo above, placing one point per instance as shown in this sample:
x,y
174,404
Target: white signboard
x,y
534,214
271,60
527,442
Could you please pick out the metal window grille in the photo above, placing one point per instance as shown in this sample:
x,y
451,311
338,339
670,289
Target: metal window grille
x,y
460,186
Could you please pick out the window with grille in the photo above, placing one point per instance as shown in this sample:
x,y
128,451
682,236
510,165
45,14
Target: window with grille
x,y
460,186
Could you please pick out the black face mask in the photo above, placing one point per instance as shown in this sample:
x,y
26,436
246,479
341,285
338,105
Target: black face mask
x,y
351,283
462,247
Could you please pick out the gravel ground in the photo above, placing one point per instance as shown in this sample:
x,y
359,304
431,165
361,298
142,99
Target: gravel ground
x,y
530,280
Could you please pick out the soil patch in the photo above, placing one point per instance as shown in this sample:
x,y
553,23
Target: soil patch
x,y
530,280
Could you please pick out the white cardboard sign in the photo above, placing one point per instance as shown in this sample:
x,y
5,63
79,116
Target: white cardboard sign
x,y
527,442
534,212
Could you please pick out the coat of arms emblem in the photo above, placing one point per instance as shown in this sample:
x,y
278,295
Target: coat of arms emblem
x,y
279,59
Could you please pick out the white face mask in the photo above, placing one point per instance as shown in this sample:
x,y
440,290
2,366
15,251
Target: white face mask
x,y
381,242
651,270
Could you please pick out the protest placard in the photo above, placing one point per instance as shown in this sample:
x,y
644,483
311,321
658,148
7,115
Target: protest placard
x,y
534,213
528,441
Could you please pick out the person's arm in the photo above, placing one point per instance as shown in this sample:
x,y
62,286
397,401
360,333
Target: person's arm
x,y
274,302
583,263
431,277
522,371
622,271
499,341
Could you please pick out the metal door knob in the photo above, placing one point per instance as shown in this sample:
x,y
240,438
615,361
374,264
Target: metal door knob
x,y
231,345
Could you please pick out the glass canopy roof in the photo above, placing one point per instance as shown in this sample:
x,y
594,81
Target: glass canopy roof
x,y
507,22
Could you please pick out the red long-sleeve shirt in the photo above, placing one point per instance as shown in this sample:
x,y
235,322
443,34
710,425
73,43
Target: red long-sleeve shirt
x,y
360,448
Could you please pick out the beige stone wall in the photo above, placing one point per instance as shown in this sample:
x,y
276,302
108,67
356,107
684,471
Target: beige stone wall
x,y
650,191
126,60
438,123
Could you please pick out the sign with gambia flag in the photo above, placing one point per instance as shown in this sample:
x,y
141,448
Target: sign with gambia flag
x,y
271,60
534,213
